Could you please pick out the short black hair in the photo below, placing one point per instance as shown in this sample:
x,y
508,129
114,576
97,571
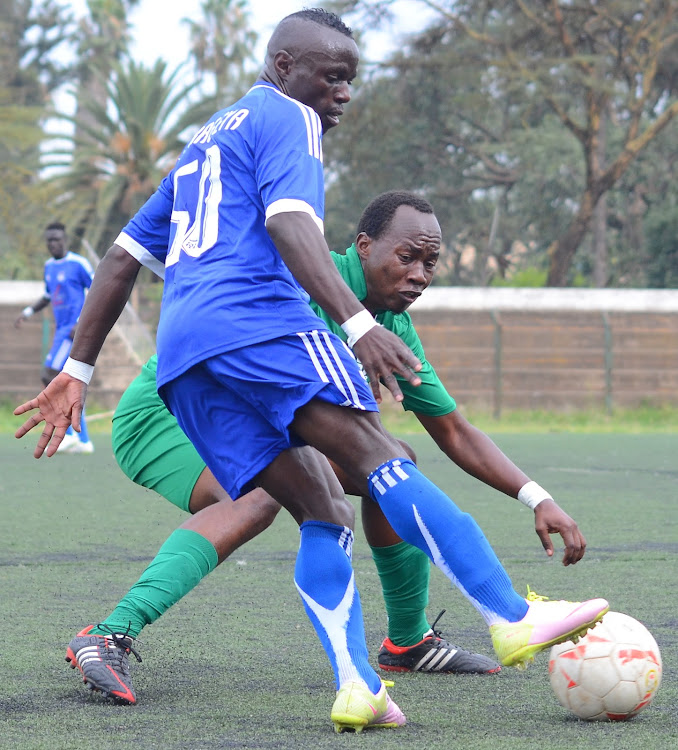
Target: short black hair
x,y
379,213
324,18
56,225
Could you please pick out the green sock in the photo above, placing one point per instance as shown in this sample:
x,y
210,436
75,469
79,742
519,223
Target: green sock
x,y
181,563
404,571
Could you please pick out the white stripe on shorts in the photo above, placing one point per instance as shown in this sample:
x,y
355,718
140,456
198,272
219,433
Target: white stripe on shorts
x,y
331,369
61,355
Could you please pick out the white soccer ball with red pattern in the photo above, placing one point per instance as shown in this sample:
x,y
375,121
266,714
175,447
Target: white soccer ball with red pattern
x,y
611,674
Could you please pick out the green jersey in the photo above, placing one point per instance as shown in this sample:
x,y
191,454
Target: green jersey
x,y
430,398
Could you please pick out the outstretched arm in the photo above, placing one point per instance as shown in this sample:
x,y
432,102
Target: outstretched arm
x,y
62,401
474,452
29,311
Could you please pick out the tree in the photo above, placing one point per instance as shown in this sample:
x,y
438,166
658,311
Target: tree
x,y
663,248
558,65
102,39
135,138
30,35
222,43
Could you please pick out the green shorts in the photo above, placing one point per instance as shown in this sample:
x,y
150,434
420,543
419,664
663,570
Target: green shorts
x,y
149,445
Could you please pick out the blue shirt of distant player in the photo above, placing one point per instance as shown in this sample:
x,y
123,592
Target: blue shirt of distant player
x,y
226,285
66,281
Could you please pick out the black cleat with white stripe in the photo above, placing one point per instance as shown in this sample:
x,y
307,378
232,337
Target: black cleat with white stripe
x,y
103,662
434,654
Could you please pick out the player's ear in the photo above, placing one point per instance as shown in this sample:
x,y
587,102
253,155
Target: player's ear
x,y
363,244
282,63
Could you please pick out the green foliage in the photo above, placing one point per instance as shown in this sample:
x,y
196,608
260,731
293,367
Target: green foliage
x,y
662,245
495,113
223,43
528,277
641,420
113,166
30,35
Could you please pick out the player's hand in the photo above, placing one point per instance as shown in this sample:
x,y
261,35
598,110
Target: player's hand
x,y
382,353
19,321
549,518
60,405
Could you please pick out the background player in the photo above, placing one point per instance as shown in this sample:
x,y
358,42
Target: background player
x,y
247,202
67,277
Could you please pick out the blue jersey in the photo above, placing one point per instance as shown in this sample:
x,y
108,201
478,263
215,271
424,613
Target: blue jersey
x,y
66,281
226,285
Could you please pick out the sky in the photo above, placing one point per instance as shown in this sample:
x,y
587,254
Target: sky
x,y
158,32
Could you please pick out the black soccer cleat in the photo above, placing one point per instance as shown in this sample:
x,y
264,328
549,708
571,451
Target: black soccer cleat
x,y
433,654
102,659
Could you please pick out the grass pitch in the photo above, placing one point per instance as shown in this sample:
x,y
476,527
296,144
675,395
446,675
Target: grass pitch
x,y
236,664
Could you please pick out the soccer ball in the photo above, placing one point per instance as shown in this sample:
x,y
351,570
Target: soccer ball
x,y
611,674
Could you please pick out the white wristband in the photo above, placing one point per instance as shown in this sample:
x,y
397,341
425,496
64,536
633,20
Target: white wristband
x,y
27,312
80,370
357,326
531,494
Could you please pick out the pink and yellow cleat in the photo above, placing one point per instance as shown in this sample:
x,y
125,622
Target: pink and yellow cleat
x,y
356,708
545,624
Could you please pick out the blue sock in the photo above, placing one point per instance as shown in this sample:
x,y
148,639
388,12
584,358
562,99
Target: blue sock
x,y
424,516
70,431
84,435
324,577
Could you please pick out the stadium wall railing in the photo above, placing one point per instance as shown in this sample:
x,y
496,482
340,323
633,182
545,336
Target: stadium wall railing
x,y
494,348
506,348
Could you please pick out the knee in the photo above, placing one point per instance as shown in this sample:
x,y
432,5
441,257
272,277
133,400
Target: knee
x,y
264,508
409,451
345,512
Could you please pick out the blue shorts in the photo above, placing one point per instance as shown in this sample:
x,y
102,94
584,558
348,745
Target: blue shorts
x,y
61,348
236,408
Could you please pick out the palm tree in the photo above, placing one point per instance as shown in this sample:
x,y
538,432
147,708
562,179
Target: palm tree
x,y
102,39
132,143
223,44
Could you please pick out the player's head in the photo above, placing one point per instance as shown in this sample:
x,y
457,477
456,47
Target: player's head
x,y
398,242
313,58
55,237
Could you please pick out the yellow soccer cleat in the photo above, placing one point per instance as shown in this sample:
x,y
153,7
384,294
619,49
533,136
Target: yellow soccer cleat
x,y
356,708
545,624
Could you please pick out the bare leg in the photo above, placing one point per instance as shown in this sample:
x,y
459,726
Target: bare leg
x,y
227,524
419,512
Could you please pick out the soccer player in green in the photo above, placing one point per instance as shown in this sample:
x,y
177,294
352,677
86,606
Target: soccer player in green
x,y
391,262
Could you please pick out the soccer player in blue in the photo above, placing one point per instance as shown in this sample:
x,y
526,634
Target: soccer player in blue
x,y
240,353
67,277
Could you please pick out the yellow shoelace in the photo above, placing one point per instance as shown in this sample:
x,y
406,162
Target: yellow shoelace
x,y
533,596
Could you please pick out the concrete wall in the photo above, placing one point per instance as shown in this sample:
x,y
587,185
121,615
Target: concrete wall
x,y
21,351
498,348
552,348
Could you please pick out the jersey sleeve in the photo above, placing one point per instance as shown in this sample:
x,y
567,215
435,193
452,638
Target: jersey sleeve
x,y
289,170
431,397
146,236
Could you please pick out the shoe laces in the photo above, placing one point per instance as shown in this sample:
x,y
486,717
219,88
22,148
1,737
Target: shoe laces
x,y
436,634
121,640
533,596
